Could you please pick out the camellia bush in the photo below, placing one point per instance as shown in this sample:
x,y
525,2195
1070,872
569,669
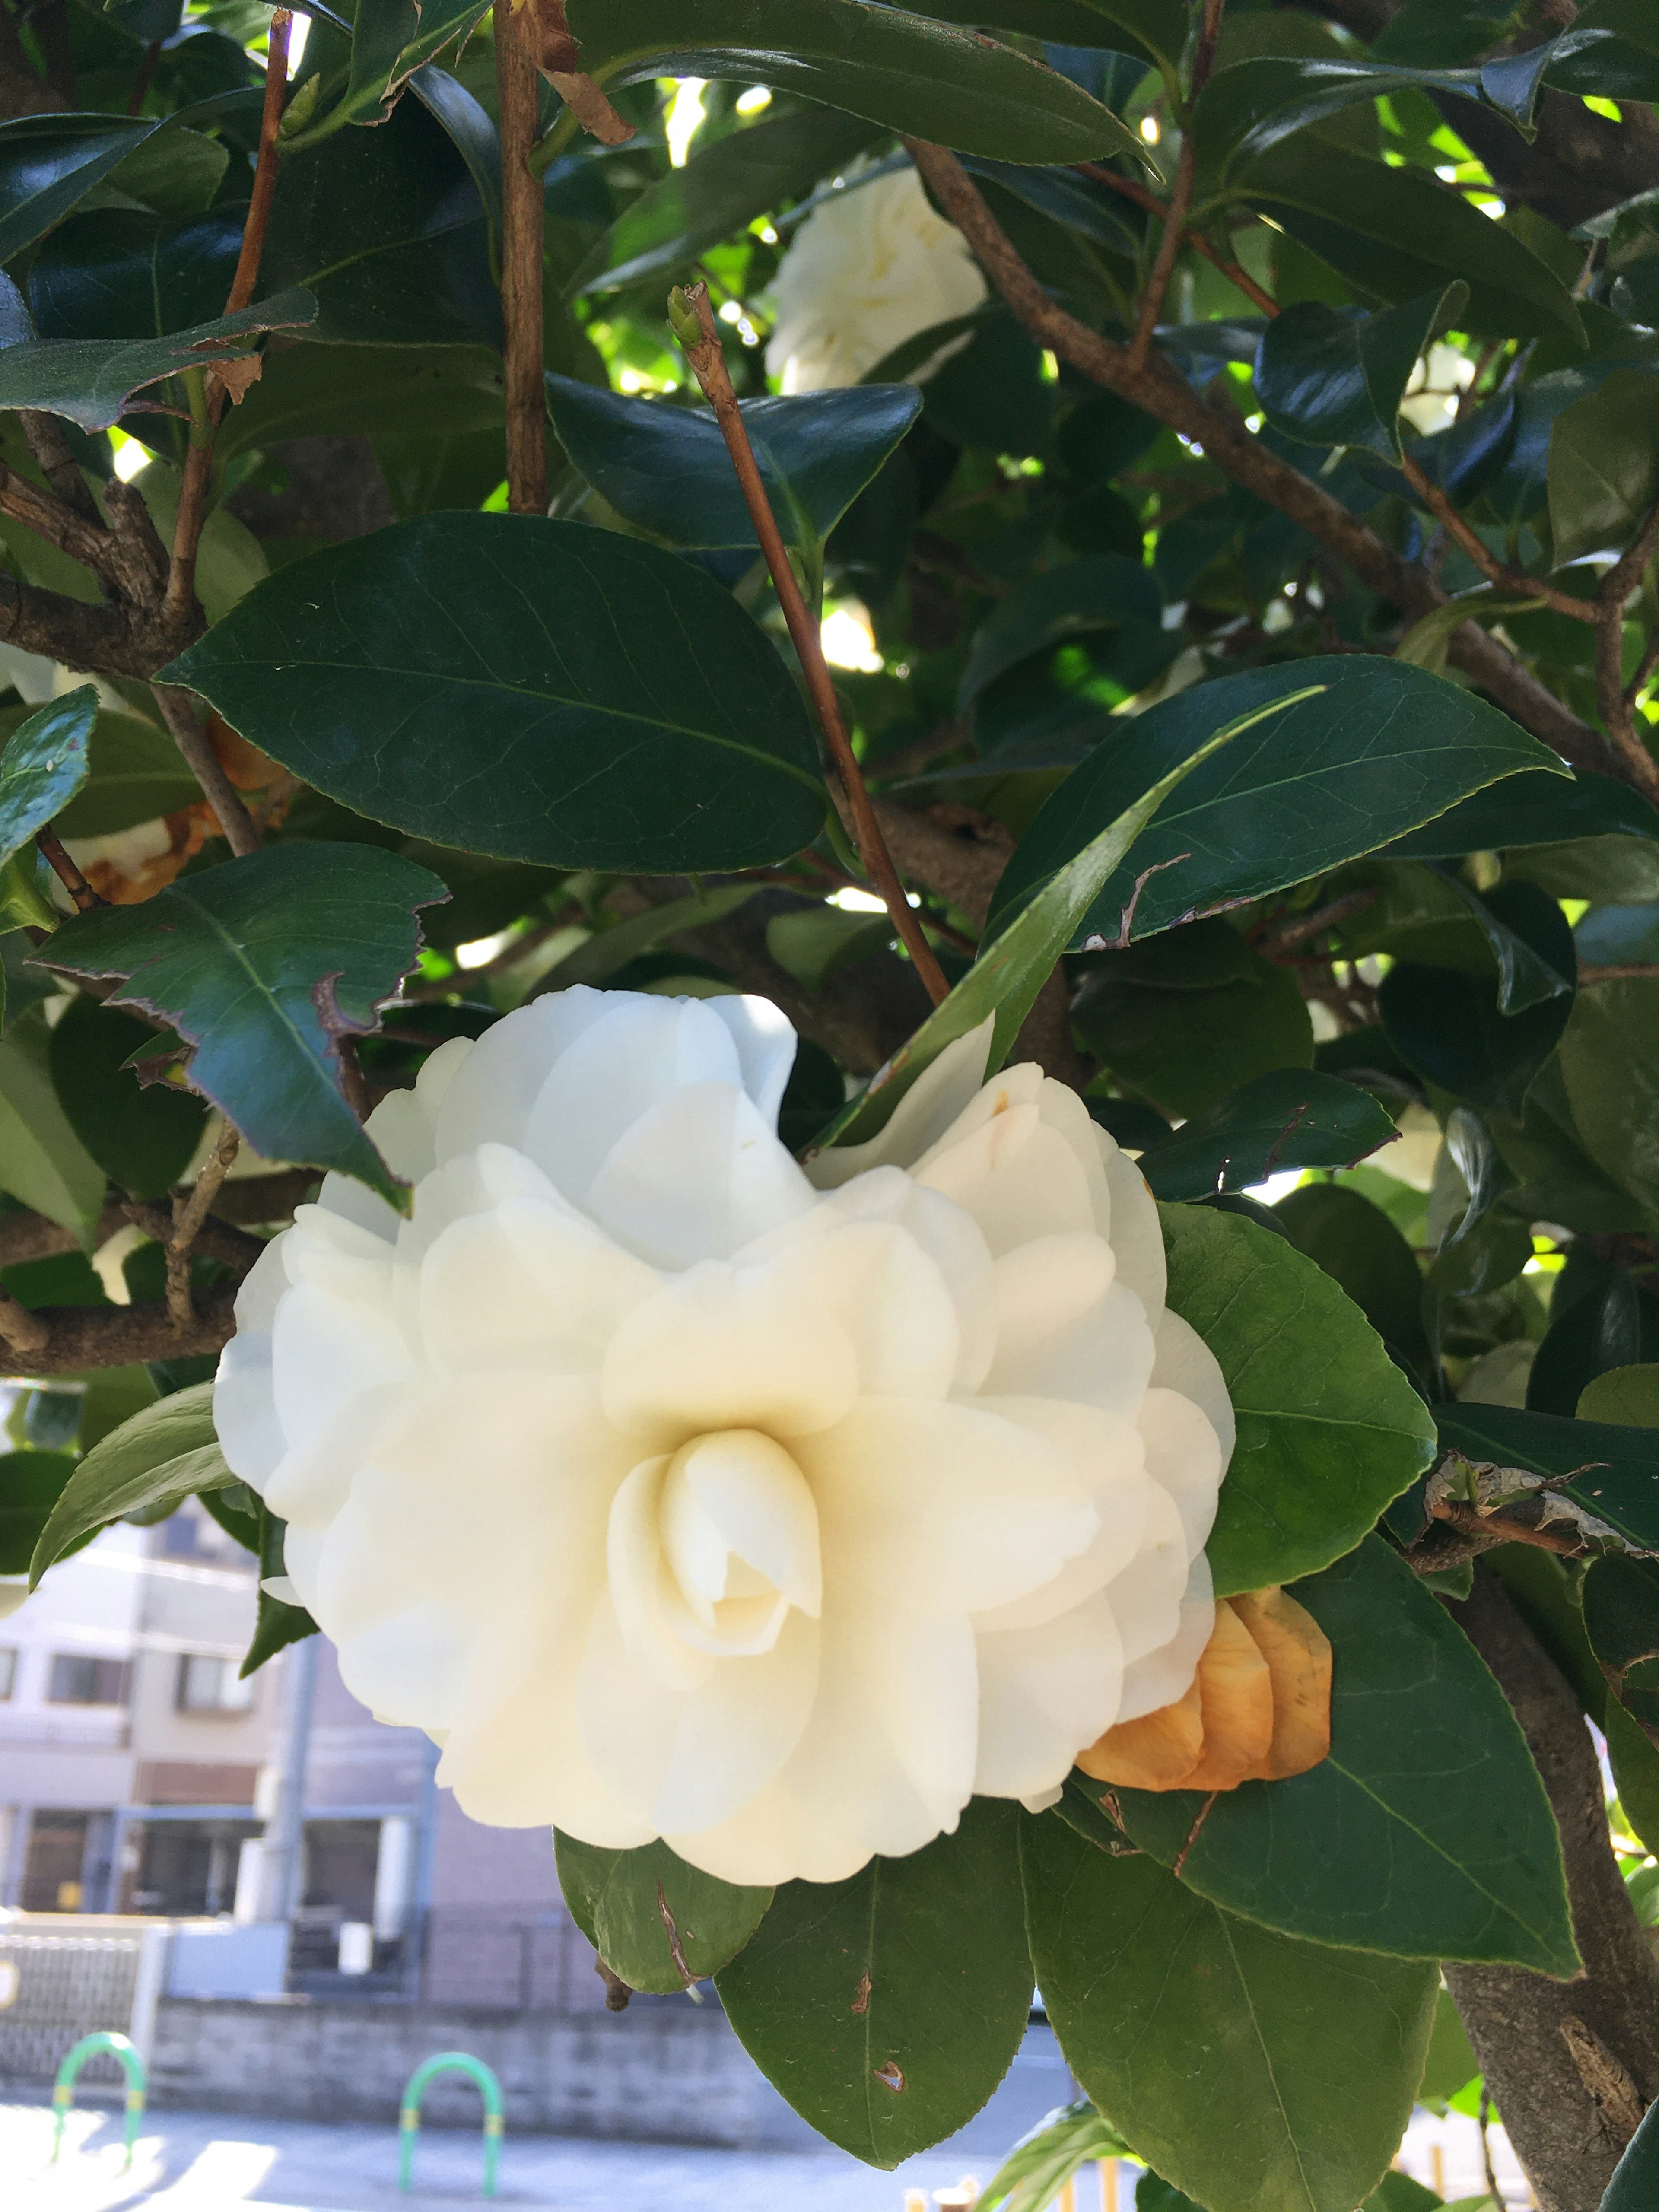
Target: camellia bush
x,y
831,861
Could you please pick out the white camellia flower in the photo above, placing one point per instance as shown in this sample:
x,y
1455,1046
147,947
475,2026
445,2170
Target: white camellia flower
x,y
678,1491
869,268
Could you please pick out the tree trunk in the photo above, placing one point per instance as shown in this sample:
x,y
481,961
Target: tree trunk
x,y
1571,2065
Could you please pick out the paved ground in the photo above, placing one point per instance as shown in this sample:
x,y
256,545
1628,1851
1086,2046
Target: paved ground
x,y
205,2162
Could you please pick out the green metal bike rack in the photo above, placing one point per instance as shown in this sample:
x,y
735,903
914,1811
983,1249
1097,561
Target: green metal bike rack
x,y
409,2119
90,2047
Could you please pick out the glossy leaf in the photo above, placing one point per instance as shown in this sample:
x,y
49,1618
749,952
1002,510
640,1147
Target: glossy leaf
x,y
1635,2184
1156,30
276,1624
93,381
1358,1246
50,162
160,1456
1610,1063
1532,809
1015,962
907,71
1604,465
1328,1429
720,190
44,764
1258,2073
667,469
390,41
887,2007
414,677
119,273
42,1162
1284,1120
30,1484
261,965
657,1923
1335,378
1612,1471
1377,752
1620,1601
143,1138
1426,1833
1102,591
381,391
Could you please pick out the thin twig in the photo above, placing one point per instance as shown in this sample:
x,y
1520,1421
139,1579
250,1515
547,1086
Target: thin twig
x,y
1312,924
522,226
52,852
1144,197
1193,1833
204,764
1495,571
188,1215
708,364
1620,971
217,1239
1181,200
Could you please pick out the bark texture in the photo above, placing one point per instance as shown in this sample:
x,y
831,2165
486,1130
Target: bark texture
x,y
1571,2064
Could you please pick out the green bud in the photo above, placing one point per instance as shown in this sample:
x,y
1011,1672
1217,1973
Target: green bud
x,y
301,107
683,320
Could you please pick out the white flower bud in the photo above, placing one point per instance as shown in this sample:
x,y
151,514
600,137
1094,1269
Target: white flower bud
x,y
868,269
677,1497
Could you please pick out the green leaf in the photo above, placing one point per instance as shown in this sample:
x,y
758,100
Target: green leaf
x,y
1620,1601
1627,1396
143,1138
1383,747
1611,49
30,1483
1329,1431
1013,965
92,381
1635,2184
390,41
1426,1832
263,965
1288,1119
667,469
1045,2159
276,1624
1156,30
909,72
1614,1469
1604,465
720,190
1451,2064
1635,1763
887,2007
136,773
610,951
1358,1246
158,1458
1258,2073
1609,1062
1332,379
1397,233
387,229
43,765
49,162
1253,105
412,675
1101,592
42,1162
379,391
120,273
656,1922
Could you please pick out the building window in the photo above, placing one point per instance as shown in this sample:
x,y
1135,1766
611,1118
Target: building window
x,y
7,1672
79,1680
207,1685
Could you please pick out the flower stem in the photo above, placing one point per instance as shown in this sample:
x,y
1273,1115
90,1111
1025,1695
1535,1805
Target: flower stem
x,y
701,339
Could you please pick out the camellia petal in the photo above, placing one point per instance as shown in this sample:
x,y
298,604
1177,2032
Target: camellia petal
x,y
678,1492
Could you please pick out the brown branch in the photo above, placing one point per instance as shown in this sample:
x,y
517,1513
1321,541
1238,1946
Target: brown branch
x,y
1162,392
699,333
52,852
1181,200
216,1240
1515,580
522,226
1235,274
122,1336
249,1199
188,1215
52,519
1567,2136
193,742
45,435
21,1329
257,219
1620,971
1292,933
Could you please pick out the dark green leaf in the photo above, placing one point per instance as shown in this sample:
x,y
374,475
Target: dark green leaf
x,y
277,1624
1258,2073
92,381
1253,105
1383,747
157,1458
413,676
1531,809
1156,30
1635,2184
1333,379
1614,1470
1185,1049
386,391
1610,50
720,190
909,72
49,162
263,965
1358,1246
667,469
1328,1429
143,1138
1620,1598
657,1923
1283,1120
390,41
887,2007
137,773
1102,591
43,765
1604,465
1596,1334
1609,1062
120,274
31,1483
1426,1832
